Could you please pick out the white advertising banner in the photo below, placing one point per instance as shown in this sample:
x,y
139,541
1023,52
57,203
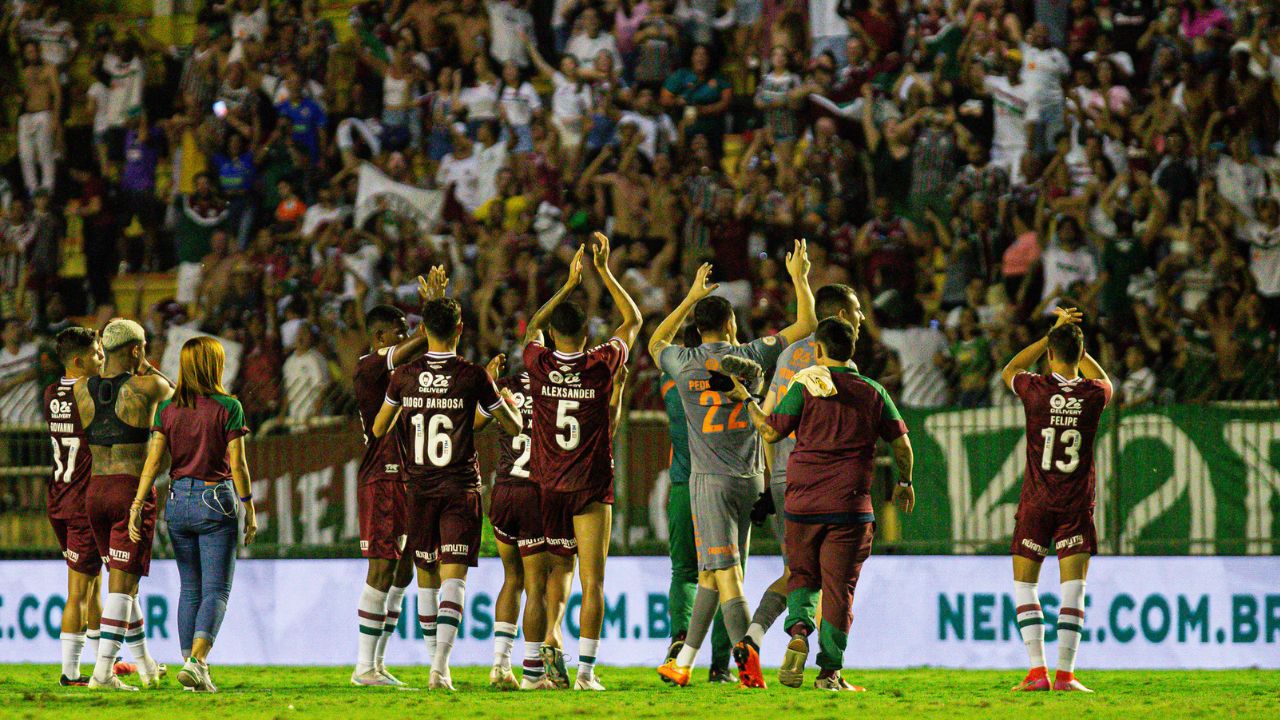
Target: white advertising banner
x,y
946,611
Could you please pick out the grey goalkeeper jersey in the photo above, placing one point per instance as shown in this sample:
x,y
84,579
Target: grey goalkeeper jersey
x,y
798,356
721,439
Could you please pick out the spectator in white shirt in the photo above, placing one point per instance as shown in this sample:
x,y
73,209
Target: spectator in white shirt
x,y
306,379
1045,67
518,103
588,40
460,171
1238,177
922,354
657,132
18,368
1065,262
1139,384
508,21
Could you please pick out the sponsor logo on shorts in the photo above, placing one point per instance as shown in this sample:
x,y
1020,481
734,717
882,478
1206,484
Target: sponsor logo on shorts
x,y
105,560
1070,542
391,468
563,542
530,542
1040,549
71,555
455,549
364,546
427,556
119,555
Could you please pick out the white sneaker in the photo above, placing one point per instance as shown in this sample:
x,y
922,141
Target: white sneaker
x,y
501,678
440,681
191,676
150,677
541,683
113,684
382,670
208,679
372,678
588,683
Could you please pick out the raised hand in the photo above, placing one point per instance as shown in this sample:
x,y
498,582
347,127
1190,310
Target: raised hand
x,y
575,269
1067,316
496,366
798,259
701,288
434,285
600,252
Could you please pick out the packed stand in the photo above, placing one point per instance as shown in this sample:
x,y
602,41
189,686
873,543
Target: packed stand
x,y
966,166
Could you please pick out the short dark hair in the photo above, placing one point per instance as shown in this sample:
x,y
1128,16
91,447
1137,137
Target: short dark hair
x,y
74,342
711,314
382,315
831,299
569,320
835,335
690,337
1067,343
441,317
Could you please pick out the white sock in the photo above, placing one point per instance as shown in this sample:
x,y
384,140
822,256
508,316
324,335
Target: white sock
x,y
427,612
453,593
587,649
1070,623
372,615
533,669
504,636
72,646
136,639
688,656
395,603
1030,620
756,632
116,612
91,642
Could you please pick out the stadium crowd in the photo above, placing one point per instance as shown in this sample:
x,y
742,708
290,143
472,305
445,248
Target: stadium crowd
x,y
966,165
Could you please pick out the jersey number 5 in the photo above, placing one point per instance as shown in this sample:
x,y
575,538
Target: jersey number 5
x,y
569,431
433,437
1070,447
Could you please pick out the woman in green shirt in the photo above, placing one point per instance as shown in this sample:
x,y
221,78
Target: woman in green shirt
x,y
702,94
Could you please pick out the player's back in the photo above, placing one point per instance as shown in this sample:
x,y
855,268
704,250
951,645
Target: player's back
x,y
72,462
515,452
381,458
572,446
439,394
1062,417
677,429
798,356
721,439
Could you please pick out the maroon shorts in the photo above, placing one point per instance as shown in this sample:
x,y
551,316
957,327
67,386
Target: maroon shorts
x,y
381,507
1039,532
515,511
444,529
109,498
558,511
75,537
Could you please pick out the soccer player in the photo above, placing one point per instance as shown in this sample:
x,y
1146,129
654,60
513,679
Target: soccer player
x,y
380,495
515,511
574,412
836,415
680,541
1055,510
116,409
435,404
80,353
829,301
725,454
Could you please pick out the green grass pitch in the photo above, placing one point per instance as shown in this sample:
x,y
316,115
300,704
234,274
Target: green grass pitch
x,y
31,691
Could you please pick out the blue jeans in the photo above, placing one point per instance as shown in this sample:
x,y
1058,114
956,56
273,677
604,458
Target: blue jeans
x,y
203,525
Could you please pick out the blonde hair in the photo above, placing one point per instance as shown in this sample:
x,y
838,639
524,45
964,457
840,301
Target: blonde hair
x,y
200,373
121,332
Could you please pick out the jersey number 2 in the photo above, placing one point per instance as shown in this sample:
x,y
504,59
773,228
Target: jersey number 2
x,y
1070,447
711,399
433,437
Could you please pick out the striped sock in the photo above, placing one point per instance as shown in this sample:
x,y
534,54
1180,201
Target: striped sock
x,y
1070,623
533,669
504,636
72,646
395,603
91,642
136,638
453,593
372,614
115,619
1026,597
587,651
427,611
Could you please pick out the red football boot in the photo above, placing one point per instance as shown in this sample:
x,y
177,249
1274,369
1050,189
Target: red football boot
x,y
748,658
1067,682
1036,681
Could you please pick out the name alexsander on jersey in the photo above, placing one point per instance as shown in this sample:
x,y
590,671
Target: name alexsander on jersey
x,y
72,463
1062,424
572,449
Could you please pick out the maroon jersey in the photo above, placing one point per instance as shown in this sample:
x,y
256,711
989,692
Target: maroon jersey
x,y
439,394
572,449
72,462
381,459
1062,423
515,452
